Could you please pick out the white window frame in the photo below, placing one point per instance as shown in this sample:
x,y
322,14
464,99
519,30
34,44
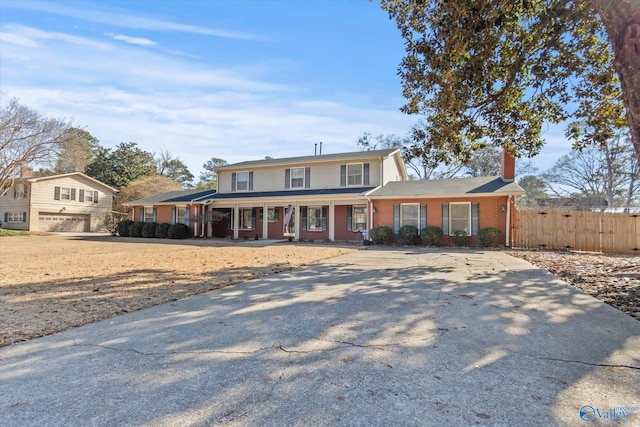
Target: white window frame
x,y
316,225
21,191
358,212
360,175
271,214
181,218
299,181
14,216
88,196
244,182
147,217
452,231
65,193
406,221
242,212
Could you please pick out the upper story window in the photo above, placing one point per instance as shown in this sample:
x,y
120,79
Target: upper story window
x,y
20,191
297,177
242,181
354,174
88,196
65,193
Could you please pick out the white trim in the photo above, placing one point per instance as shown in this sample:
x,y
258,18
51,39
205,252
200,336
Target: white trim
x,y
361,184
417,224
451,231
291,177
318,208
238,181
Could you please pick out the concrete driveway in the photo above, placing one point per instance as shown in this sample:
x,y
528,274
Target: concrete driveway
x,y
376,337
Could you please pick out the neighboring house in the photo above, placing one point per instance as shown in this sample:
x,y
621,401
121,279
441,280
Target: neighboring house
x,y
340,197
68,202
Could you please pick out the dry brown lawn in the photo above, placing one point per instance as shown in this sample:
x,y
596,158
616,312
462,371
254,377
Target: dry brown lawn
x,y
49,283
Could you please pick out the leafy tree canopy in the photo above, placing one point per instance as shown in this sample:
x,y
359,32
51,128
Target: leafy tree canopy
x,y
209,177
496,72
174,168
119,167
77,150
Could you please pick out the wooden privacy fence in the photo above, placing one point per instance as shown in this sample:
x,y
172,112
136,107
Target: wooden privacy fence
x,y
577,230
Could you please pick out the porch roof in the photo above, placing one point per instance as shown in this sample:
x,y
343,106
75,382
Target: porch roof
x,y
173,197
356,191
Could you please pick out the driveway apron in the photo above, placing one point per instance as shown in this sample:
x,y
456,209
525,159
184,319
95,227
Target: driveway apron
x,y
381,337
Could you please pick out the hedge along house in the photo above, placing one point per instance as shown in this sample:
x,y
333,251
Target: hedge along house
x,y
339,197
184,207
72,202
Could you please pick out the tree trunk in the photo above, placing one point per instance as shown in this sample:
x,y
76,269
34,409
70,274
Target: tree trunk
x,y
621,19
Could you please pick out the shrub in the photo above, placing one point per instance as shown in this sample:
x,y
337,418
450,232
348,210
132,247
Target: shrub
x,y
178,231
408,235
381,235
149,229
488,236
136,229
431,235
460,238
161,230
124,227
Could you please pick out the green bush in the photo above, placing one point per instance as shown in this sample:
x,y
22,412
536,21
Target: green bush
x,y
178,231
408,235
161,230
149,229
381,235
136,229
124,227
488,237
431,235
460,238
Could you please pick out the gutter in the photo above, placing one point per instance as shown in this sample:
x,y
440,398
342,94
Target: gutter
x,y
508,230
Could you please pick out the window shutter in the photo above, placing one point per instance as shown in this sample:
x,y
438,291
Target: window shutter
x,y
154,215
276,214
250,181
95,197
173,215
303,212
349,218
475,218
396,219
365,172
445,219
56,193
287,179
253,219
423,217
307,177
6,217
141,213
81,196
15,191
324,218
343,175
73,194
24,217
233,181
261,214
26,191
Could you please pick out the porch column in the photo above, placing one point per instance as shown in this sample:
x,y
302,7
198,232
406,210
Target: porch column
x,y
236,221
298,220
265,221
332,225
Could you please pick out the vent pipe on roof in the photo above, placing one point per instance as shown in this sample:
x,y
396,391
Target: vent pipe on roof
x,y
315,150
321,148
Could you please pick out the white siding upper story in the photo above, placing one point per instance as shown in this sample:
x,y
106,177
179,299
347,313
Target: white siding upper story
x,y
14,207
318,172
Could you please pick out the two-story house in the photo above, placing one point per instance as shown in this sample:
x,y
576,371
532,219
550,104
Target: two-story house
x,y
336,197
68,202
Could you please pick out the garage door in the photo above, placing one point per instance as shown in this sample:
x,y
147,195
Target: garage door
x,y
63,222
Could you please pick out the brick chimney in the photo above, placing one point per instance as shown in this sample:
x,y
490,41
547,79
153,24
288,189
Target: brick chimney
x,y
507,166
26,172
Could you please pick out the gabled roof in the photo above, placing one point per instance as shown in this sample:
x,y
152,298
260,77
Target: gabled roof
x,y
321,158
453,187
173,197
66,175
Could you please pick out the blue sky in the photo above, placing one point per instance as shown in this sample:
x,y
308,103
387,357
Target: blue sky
x,y
238,80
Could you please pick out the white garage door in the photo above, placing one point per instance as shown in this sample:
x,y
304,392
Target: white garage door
x,y
62,222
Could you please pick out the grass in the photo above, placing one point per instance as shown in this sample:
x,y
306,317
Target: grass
x,y
4,232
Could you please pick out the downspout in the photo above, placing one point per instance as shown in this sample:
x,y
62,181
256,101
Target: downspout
x,y
508,230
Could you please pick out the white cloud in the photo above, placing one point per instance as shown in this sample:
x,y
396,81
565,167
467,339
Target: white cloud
x,y
28,37
132,40
18,39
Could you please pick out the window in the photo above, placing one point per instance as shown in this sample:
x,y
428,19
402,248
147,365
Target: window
x,y
20,191
297,177
359,218
314,218
242,183
246,219
460,217
273,214
181,214
410,215
149,215
88,196
65,193
354,174
14,217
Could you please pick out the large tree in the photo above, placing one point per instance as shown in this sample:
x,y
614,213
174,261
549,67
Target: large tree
x,y
119,167
27,138
78,148
209,177
174,168
498,71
